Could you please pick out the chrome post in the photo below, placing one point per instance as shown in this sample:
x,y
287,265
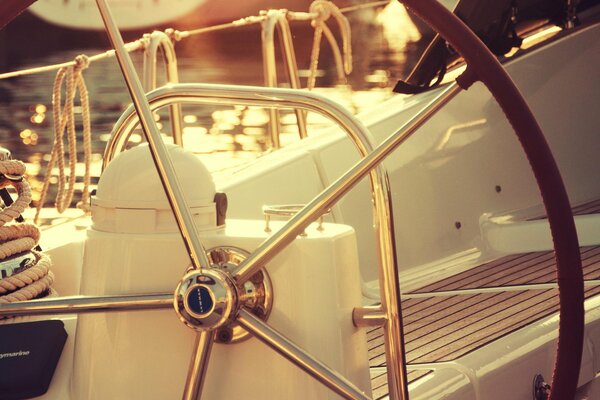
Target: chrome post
x,y
162,160
571,17
273,19
369,316
282,345
270,69
198,365
156,40
287,43
149,66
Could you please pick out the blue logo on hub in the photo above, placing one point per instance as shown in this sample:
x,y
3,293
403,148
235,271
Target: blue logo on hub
x,y
199,300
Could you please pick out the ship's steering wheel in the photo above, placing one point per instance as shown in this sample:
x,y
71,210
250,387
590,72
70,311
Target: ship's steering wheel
x,y
221,288
483,66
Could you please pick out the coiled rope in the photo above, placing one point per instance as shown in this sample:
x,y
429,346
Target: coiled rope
x,y
35,280
14,168
64,118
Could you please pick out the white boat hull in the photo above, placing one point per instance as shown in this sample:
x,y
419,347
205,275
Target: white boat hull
x,y
129,14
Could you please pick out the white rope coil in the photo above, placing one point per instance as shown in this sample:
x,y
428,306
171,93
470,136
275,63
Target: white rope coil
x,y
35,279
17,238
14,168
64,118
30,283
38,272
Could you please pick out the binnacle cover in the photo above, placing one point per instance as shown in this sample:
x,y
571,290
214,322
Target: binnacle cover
x,y
29,353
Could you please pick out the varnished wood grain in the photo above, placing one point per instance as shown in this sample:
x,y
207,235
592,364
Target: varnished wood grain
x,y
441,329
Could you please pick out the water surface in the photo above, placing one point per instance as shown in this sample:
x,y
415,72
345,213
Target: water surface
x,y
225,135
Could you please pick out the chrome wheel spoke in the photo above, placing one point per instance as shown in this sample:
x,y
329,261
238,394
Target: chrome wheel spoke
x,y
282,345
198,365
158,150
330,195
87,304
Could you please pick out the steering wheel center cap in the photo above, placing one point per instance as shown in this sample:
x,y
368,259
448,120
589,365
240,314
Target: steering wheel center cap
x,y
199,301
205,300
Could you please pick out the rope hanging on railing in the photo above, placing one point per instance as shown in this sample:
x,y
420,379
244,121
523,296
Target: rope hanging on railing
x,y
30,280
64,118
325,9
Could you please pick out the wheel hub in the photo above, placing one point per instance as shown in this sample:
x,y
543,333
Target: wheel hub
x,y
205,300
209,300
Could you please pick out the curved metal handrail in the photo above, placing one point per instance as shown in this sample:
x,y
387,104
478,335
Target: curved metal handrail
x,y
273,19
360,136
160,40
236,95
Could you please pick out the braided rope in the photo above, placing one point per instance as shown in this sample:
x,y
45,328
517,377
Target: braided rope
x,y
23,192
15,239
314,57
337,54
12,167
30,283
28,276
323,10
84,203
64,118
30,291
18,238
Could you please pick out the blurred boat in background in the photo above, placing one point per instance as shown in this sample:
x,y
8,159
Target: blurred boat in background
x,y
137,14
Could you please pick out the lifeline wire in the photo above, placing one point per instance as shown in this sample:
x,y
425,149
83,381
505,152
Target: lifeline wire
x,y
178,35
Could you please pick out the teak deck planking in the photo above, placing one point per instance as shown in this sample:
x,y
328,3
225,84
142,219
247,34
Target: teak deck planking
x,y
444,328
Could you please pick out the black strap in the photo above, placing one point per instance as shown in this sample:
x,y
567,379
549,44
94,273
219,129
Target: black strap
x,y
409,88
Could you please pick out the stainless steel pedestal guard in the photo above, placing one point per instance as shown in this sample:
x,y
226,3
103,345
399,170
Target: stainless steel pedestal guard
x,y
287,98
